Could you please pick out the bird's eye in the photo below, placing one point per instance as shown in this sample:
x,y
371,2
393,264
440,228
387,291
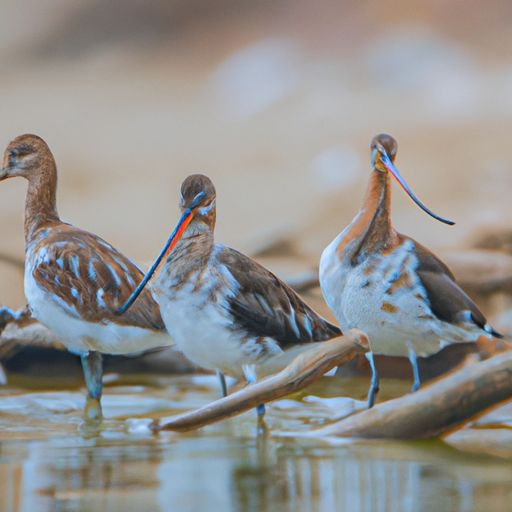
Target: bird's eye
x,y
20,151
205,208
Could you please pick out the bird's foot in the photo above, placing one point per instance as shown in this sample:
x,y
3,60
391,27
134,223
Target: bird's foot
x,y
92,410
92,364
261,427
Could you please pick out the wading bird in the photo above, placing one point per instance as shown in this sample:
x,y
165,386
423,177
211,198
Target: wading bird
x,y
223,310
74,280
390,286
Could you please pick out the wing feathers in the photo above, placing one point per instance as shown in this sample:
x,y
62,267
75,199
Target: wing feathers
x,y
90,279
264,306
450,303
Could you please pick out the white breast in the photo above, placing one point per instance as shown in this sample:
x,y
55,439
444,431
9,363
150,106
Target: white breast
x,y
359,296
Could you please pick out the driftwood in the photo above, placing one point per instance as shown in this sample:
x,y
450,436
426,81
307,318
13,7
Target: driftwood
x,y
300,373
495,240
19,329
481,272
435,410
304,282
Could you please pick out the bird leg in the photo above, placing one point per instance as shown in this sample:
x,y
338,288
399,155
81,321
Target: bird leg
x,y
415,370
92,365
374,385
3,377
222,381
250,377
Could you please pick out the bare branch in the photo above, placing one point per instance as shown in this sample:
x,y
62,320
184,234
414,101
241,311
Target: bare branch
x,y
435,410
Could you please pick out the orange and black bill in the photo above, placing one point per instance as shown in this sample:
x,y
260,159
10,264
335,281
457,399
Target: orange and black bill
x,y
181,226
394,171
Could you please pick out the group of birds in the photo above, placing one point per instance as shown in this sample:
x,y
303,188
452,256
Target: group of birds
x,y
222,309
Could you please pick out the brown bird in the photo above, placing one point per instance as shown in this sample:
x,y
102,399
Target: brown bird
x,y
74,280
390,286
223,310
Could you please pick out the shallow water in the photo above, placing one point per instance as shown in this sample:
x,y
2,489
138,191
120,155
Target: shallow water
x,y
51,460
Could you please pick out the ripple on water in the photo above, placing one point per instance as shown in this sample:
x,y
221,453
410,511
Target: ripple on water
x,y
51,458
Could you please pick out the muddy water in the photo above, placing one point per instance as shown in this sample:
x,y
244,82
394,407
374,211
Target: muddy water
x,y
51,460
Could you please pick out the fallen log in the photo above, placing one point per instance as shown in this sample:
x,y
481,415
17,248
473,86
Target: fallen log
x,y
19,329
300,373
435,410
481,273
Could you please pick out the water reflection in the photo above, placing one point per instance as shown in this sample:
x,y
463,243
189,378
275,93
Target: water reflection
x,y
235,475
49,461
58,476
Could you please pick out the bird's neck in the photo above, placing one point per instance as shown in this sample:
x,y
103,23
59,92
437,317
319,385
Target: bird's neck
x,y
191,253
40,204
371,230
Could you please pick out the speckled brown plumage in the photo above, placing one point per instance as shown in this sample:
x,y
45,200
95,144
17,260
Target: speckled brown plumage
x,y
92,278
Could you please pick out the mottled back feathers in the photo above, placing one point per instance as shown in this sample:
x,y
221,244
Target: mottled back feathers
x,y
89,278
264,306
448,301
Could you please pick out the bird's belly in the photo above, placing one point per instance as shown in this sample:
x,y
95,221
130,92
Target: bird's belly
x,y
80,336
368,297
203,332
390,322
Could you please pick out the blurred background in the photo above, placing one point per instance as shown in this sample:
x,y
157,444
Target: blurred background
x,y
275,100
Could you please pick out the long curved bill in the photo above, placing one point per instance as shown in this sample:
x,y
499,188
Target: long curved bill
x,y
181,226
394,171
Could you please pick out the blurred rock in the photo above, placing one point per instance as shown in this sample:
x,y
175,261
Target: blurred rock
x,y
256,77
494,239
481,272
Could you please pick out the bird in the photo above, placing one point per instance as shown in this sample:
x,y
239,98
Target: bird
x,y
75,281
390,286
225,311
